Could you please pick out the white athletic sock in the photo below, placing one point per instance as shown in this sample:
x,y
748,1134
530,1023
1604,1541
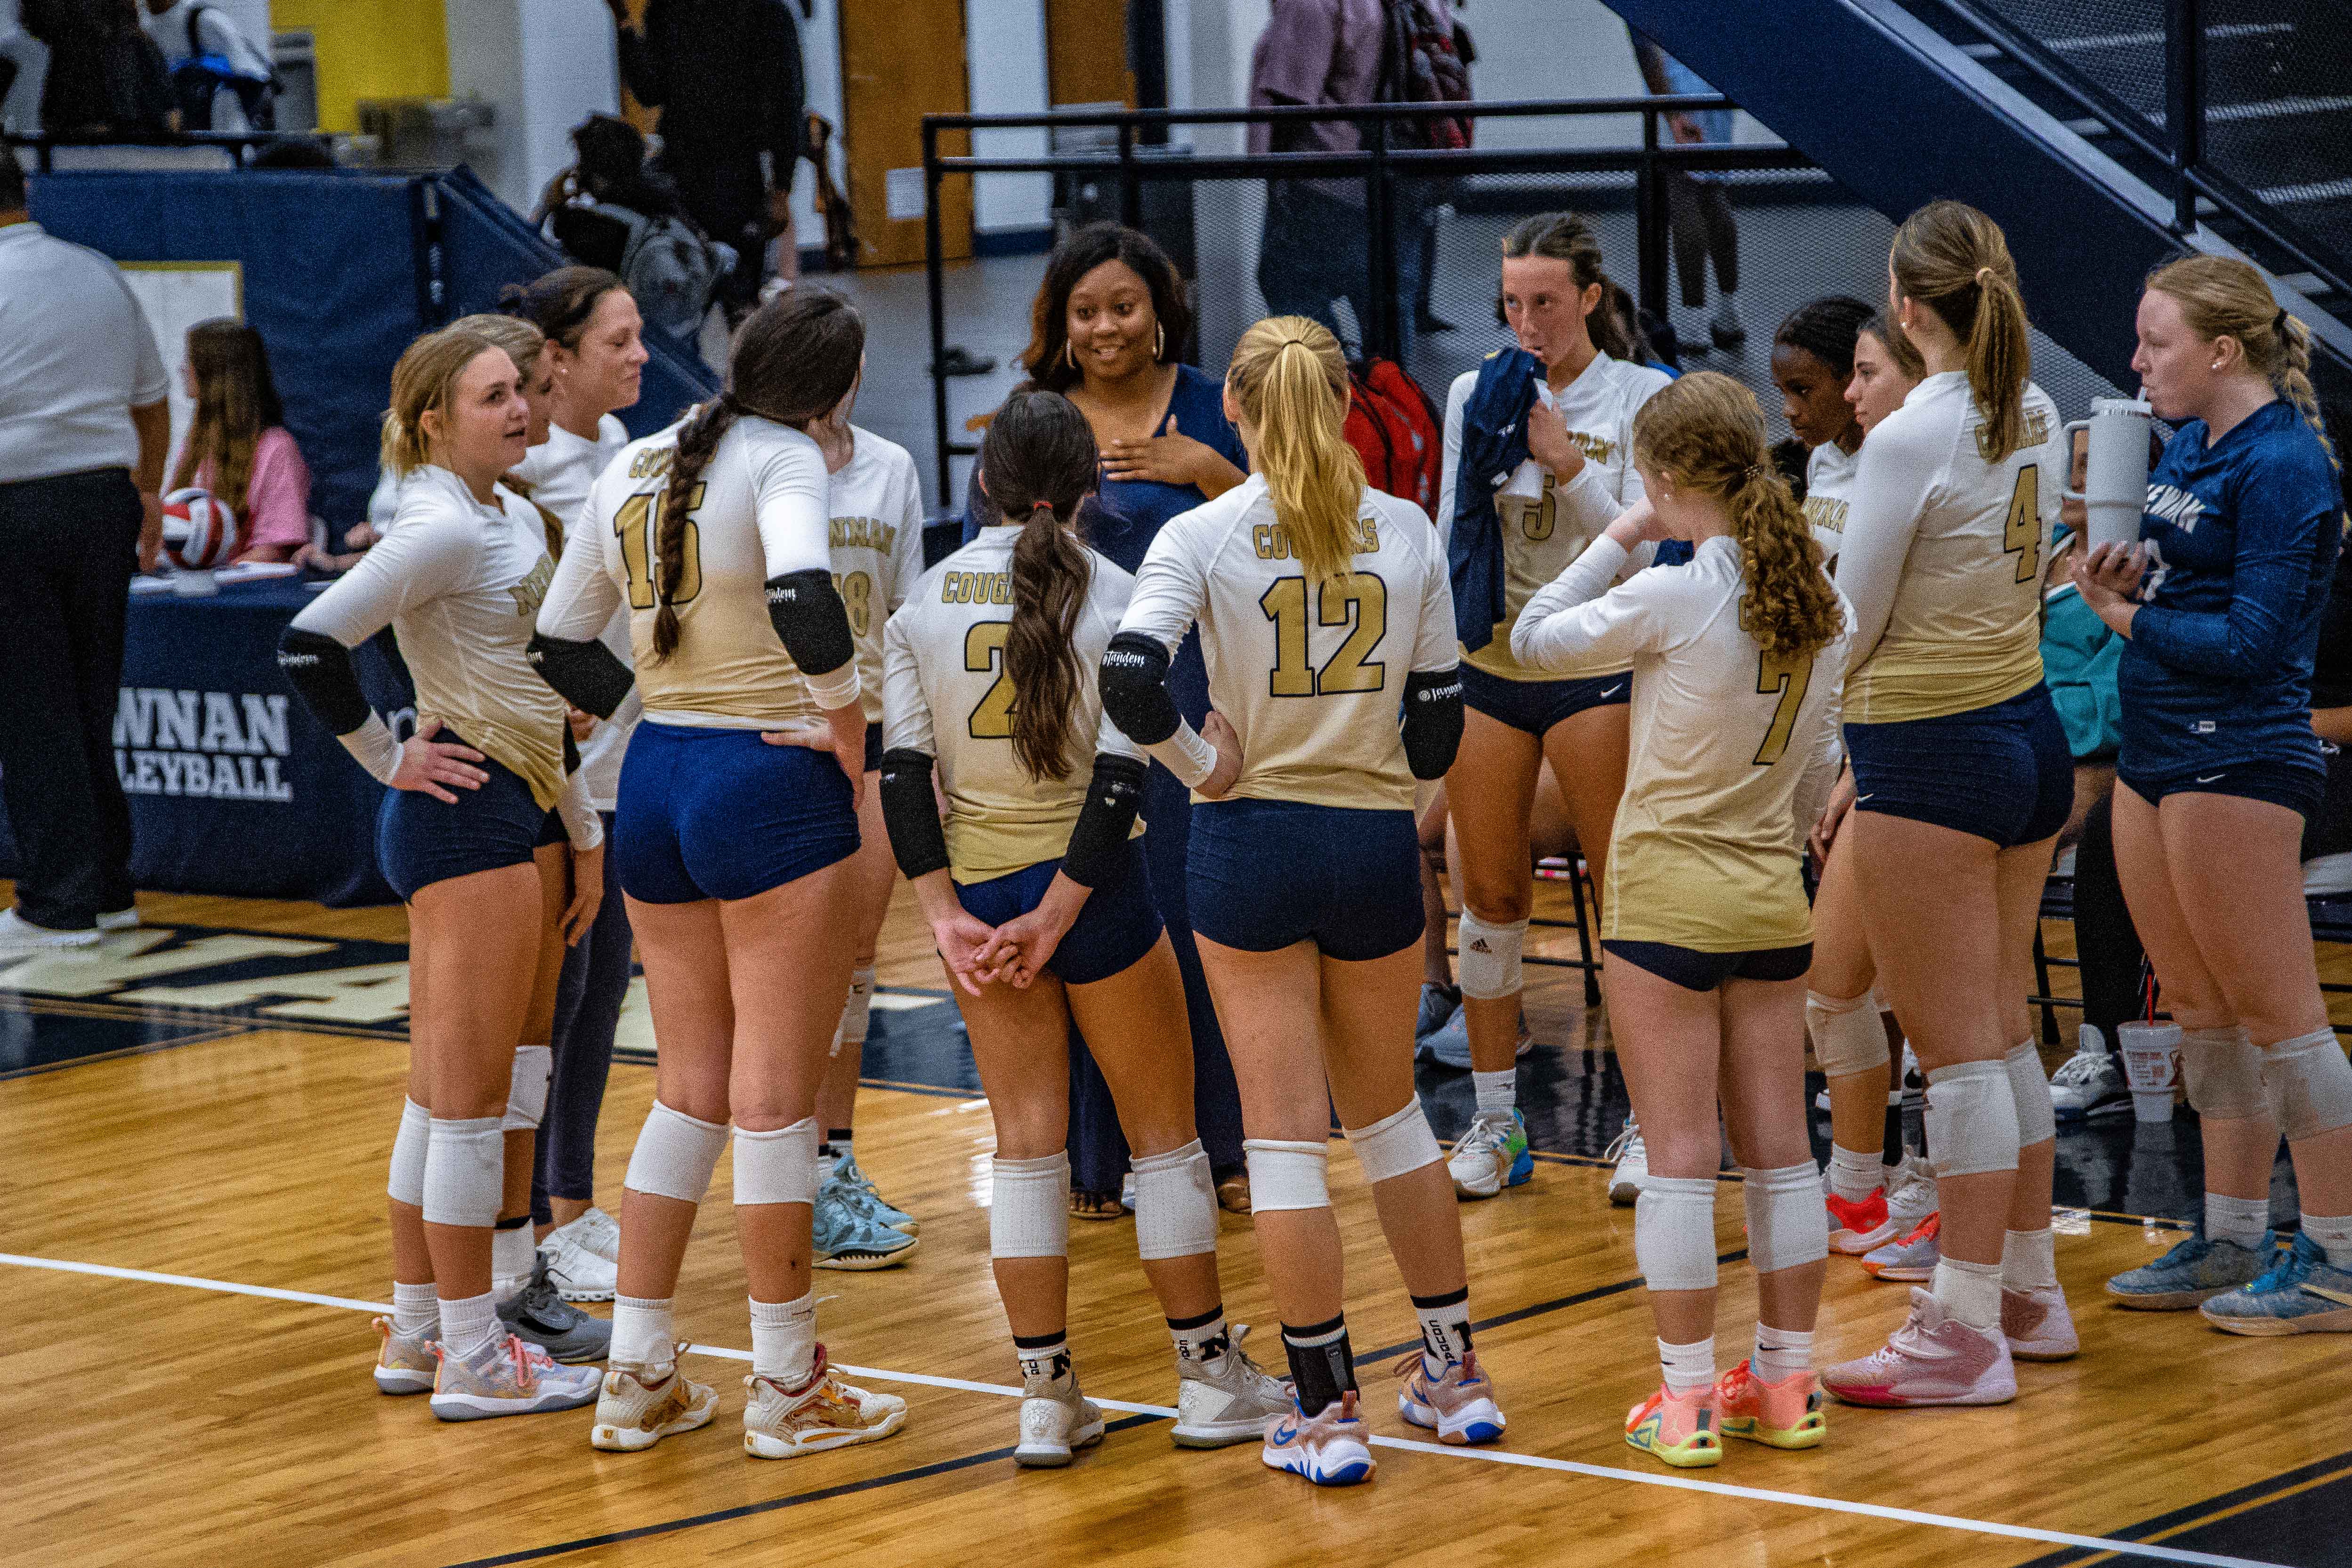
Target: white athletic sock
x,y
513,1255
2241,1220
2028,1262
1781,1353
2332,1232
1498,1092
1043,1356
644,1331
468,1324
1852,1177
1200,1342
414,1309
1689,1368
1445,1329
1969,1293
783,1340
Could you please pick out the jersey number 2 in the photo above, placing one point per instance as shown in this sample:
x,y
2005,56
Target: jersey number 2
x,y
1363,600
634,525
2021,535
984,650
1789,677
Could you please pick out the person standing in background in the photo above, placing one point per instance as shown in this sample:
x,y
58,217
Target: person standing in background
x,y
731,131
1697,208
185,30
106,78
84,426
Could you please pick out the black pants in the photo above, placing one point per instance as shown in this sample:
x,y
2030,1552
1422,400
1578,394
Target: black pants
x,y
2105,939
588,998
726,195
68,549
1700,213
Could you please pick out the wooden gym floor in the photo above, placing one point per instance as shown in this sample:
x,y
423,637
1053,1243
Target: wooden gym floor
x,y
194,1128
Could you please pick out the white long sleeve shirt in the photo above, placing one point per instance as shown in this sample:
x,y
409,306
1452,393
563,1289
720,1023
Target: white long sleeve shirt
x,y
876,545
561,471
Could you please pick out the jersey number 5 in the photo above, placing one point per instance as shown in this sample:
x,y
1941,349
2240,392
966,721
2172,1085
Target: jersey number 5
x,y
1789,677
2021,535
1363,601
984,650
634,525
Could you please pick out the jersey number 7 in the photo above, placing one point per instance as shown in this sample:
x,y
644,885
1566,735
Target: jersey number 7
x,y
1789,677
1362,599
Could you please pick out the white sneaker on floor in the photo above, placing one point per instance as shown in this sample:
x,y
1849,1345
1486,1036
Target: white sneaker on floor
x,y
19,936
2089,1083
1632,1165
637,1407
823,1412
1056,1421
1914,1080
578,1273
117,920
600,1232
1226,1399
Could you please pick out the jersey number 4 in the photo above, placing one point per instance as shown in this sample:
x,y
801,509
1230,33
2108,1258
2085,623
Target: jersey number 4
x,y
1362,601
984,650
1788,678
635,526
2021,535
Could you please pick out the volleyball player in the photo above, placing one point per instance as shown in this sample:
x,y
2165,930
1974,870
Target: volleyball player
x,y
1550,424
458,578
1705,931
1813,365
1036,893
1324,610
1962,780
735,855
2219,770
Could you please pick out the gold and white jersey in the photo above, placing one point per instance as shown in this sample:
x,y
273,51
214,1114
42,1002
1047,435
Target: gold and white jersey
x,y
1313,680
877,542
1944,556
947,694
460,585
1704,854
1543,534
762,509
1829,492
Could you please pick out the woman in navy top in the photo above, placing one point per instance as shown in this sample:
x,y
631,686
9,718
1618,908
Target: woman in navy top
x,y
1107,330
2223,602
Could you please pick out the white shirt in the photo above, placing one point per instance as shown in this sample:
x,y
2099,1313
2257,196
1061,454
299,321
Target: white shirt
x,y
876,544
76,356
1312,682
949,696
1944,556
216,34
559,471
763,512
1830,472
1542,536
1704,854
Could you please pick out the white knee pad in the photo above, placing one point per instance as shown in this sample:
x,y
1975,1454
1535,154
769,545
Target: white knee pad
x,y
1175,1204
1029,1208
534,1065
856,1011
1490,958
1788,1222
1286,1175
1673,1233
1395,1145
408,1146
1971,1118
2037,1118
776,1167
1847,1036
2222,1071
674,1156
464,1171
2308,1083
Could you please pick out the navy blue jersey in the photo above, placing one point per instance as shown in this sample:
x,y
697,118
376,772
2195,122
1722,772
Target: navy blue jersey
x,y
2245,534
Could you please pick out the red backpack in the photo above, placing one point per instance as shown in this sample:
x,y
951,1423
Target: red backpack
x,y
1393,426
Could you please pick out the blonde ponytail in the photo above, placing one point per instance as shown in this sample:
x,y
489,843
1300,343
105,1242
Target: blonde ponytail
x,y
1291,382
1954,261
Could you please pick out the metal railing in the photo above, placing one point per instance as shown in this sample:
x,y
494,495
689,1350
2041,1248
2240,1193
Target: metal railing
x,y
240,146
1378,164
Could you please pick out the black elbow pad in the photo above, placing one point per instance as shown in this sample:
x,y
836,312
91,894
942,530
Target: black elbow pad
x,y
1097,856
1432,721
911,813
1135,689
319,668
585,674
811,621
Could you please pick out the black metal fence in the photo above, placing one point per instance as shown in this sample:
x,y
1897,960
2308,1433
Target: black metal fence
x,y
239,147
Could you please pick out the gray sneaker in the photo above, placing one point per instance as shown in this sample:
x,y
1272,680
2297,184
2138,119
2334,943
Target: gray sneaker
x,y
1438,1005
848,1234
1227,1398
540,1315
897,1219
2193,1273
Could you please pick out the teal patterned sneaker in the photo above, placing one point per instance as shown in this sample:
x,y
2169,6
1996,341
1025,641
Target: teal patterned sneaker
x,y
847,1236
897,1219
2193,1273
1490,1155
2302,1293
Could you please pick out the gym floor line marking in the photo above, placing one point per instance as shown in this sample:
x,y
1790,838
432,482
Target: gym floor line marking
x,y
1403,1444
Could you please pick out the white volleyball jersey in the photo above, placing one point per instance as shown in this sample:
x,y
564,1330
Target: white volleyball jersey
x,y
876,545
1829,489
760,510
1944,556
1313,680
460,585
561,471
1542,534
947,694
1704,854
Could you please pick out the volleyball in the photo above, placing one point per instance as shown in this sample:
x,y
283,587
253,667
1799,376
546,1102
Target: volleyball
x,y
200,530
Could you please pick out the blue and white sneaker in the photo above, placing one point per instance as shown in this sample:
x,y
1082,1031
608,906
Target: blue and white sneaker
x,y
1439,1004
2194,1273
2301,1293
897,1219
1332,1450
847,1236
1491,1154
1459,1406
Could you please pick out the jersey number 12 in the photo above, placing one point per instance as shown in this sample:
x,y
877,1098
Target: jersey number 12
x,y
1362,600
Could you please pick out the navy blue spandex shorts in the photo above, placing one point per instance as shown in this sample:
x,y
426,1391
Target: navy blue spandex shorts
x,y
720,814
1114,928
1264,874
2002,772
1536,706
420,840
1695,971
2290,784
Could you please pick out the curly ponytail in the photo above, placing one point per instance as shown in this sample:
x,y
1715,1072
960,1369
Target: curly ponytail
x,y
2222,297
1705,432
1038,463
1291,382
1954,261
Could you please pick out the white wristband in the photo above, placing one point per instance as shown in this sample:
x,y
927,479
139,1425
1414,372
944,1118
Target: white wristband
x,y
840,688
1188,754
373,746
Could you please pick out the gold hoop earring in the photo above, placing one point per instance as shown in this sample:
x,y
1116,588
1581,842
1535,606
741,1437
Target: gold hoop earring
x,y
1158,342
1070,353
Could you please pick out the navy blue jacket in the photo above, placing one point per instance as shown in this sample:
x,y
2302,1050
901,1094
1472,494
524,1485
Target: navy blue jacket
x,y
1494,445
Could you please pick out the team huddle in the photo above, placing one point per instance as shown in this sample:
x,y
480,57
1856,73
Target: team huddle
x,y
1620,592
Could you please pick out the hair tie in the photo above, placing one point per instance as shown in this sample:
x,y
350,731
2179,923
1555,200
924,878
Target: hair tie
x,y
2278,323
1041,505
1752,473
1984,276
